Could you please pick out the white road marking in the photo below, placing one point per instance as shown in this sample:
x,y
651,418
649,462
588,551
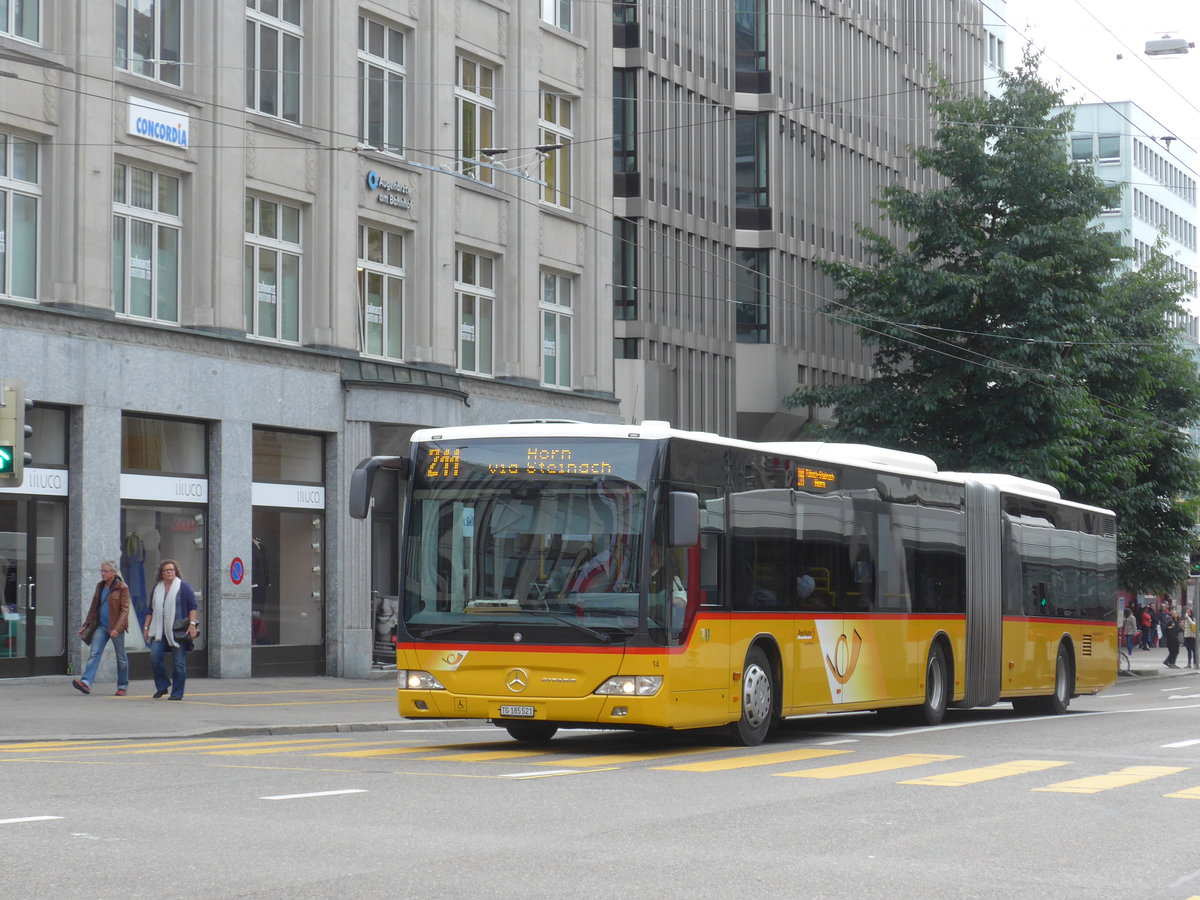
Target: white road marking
x,y
1184,697
842,741
314,794
1181,744
1112,696
542,773
28,819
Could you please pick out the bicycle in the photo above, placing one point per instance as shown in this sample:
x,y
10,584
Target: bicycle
x,y
1124,666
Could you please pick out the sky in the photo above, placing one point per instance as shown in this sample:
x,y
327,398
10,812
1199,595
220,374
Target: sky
x,y
1082,40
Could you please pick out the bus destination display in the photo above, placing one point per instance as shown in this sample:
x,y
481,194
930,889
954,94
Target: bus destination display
x,y
537,460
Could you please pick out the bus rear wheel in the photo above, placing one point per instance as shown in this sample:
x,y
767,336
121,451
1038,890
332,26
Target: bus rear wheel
x,y
1064,686
531,732
758,700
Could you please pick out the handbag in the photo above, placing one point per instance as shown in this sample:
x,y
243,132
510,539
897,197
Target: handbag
x,y
89,631
179,630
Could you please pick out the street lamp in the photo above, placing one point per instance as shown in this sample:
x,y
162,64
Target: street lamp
x,y
1169,46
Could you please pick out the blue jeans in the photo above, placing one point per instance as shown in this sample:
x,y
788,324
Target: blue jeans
x,y
158,652
99,641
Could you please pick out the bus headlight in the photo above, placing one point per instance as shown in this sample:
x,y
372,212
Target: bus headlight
x,y
417,680
631,686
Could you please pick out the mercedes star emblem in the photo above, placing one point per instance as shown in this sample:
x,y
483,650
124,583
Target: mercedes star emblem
x,y
517,680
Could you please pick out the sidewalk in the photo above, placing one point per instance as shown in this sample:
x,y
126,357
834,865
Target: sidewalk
x,y
48,708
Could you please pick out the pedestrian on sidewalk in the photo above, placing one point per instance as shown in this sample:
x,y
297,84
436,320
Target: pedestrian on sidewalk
x,y
1170,631
106,620
171,600
1130,630
1189,638
1146,623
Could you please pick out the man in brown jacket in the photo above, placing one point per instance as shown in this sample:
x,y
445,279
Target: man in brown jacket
x,y
106,621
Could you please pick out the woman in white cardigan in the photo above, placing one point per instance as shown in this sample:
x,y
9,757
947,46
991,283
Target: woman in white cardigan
x,y
171,600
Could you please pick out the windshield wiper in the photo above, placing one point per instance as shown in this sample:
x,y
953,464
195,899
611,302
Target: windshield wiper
x,y
448,629
598,635
435,632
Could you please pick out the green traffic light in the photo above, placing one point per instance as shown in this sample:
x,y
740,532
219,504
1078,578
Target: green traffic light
x,y
6,460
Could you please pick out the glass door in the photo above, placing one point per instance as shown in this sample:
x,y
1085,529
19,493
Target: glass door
x,y
33,604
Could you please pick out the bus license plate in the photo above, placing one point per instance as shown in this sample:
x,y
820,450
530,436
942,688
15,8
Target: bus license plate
x,y
517,712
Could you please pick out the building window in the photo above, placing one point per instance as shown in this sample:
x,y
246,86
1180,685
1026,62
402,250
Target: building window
x,y
1110,148
556,330
625,270
557,12
20,198
1081,147
273,36
21,18
624,120
475,294
381,291
753,297
271,289
148,38
475,95
147,224
751,163
750,35
555,130
380,86
627,348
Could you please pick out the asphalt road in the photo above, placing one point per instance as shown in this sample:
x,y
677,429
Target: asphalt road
x,y
987,805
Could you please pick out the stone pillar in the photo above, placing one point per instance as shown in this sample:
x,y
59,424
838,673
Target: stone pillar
x,y
230,524
350,623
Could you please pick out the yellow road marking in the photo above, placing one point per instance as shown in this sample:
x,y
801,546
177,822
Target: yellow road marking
x,y
617,758
484,756
367,754
987,773
307,747
745,762
1188,794
1121,778
887,764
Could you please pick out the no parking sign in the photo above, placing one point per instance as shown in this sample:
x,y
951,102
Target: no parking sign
x,y
237,570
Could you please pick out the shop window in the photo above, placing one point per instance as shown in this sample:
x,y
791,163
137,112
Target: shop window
x,y
288,457
163,446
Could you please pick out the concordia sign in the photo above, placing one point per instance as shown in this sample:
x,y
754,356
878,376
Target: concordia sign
x,y
158,123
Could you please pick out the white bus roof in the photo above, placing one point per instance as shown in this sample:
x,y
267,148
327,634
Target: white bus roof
x,y
897,462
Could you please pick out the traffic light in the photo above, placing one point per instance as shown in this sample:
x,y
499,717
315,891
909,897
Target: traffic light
x,y
13,432
1195,564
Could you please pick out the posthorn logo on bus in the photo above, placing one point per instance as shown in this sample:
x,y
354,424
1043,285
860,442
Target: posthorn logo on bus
x,y
158,123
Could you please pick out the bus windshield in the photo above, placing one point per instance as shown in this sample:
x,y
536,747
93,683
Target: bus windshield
x,y
544,534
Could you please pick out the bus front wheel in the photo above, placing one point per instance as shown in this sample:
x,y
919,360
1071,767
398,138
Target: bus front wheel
x,y
758,700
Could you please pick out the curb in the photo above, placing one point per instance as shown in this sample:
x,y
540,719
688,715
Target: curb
x,y
260,730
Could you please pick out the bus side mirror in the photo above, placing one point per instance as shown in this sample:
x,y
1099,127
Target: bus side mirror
x,y
683,522
362,481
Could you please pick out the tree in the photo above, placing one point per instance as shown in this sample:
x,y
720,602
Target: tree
x,y
1006,337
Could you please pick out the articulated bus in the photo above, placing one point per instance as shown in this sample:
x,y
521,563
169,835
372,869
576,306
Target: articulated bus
x,y
560,574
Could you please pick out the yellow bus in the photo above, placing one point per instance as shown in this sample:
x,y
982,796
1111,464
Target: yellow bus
x,y
565,575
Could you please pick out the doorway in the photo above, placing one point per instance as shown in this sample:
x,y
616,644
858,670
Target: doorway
x,y
33,605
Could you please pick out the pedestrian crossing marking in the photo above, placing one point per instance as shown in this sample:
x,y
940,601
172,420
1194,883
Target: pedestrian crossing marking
x,y
484,756
987,773
870,766
746,762
615,758
1093,784
1189,794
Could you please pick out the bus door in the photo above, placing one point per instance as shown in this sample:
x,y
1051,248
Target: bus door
x,y
818,641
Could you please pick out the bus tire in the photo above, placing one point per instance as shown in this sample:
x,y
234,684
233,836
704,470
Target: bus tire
x,y
758,700
937,688
531,732
1064,686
